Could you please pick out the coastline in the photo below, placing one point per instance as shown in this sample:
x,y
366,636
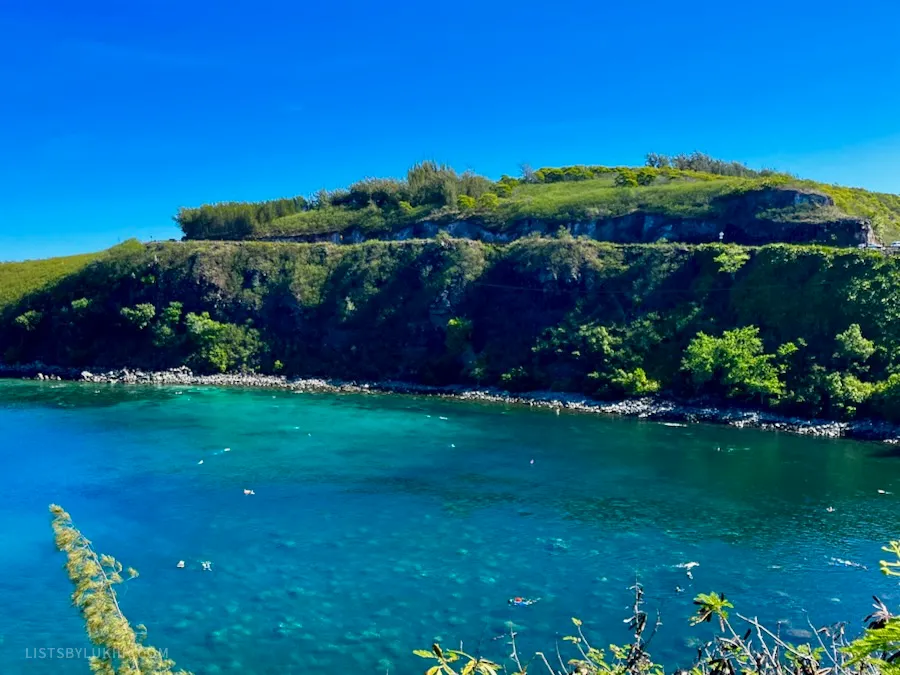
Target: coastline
x,y
648,408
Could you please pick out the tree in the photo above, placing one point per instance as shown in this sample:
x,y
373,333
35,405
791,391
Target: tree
x,y
488,201
733,365
95,577
140,315
221,347
465,202
853,350
656,161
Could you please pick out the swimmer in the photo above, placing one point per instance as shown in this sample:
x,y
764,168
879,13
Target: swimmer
x,y
522,602
180,564
207,565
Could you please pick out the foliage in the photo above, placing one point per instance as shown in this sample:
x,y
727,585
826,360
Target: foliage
x,y
140,315
564,314
223,346
228,220
697,161
29,320
95,577
634,383
459,335
645,176
683,186
733,365
852,348
19,279
432,184
731,259
488,201
886,398
465,202
626,178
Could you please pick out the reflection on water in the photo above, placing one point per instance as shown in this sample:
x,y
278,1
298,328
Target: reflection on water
x,y
381,523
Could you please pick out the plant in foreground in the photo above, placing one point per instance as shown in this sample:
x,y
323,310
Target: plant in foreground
x,y
122,650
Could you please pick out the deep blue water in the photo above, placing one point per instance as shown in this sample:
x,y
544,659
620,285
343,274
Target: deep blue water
x,y
381,524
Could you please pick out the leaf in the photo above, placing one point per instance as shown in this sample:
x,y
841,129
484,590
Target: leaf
x,y
424,653
434,670
577,622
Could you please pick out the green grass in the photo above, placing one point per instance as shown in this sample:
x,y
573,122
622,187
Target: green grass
x,y
881,208
18,279
673,193
602,199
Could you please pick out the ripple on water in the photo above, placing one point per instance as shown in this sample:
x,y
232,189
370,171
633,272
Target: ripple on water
x,y
373,536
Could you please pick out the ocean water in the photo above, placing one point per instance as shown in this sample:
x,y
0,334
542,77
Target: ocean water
x,y
380,524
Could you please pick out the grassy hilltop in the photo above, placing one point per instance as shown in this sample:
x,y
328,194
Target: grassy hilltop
x,y
679,189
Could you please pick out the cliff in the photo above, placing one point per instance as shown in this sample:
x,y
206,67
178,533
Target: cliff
x,y
800,329
760,217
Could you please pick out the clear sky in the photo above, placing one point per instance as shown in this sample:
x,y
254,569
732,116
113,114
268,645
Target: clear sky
x,y
114,114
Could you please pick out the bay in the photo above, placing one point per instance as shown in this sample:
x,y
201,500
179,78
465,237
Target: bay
x,y
380,524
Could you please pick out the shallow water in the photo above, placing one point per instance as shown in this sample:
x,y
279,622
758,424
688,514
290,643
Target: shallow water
x,y
383,523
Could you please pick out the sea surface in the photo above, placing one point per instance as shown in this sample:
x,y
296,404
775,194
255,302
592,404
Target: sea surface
x,y
380,524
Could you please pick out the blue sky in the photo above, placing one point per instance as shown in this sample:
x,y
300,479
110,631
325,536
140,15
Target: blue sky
x,y
114,114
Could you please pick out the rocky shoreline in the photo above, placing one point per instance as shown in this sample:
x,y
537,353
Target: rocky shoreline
x,y
653,409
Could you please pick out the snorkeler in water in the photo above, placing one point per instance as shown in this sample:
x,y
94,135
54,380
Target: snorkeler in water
x,y
522,602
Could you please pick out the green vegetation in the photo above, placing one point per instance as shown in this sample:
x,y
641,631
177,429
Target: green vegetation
x,y
18,279
799,330
758,650
692,186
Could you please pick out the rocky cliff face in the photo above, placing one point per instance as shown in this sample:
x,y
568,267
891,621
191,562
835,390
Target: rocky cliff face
x,y
751,218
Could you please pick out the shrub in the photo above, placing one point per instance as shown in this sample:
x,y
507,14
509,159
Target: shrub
x,y
731,259
473,185
503,189
733,365
465,202
645,176
80,304
634,383
886,398
140,315
852,348
221,347
29,321
626,178
432,184
488,201
845,393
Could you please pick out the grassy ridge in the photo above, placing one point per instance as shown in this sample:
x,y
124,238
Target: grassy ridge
x,y
18,279
579,193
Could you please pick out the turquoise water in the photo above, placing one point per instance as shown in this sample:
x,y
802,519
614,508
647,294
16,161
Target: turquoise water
x,y
380,524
